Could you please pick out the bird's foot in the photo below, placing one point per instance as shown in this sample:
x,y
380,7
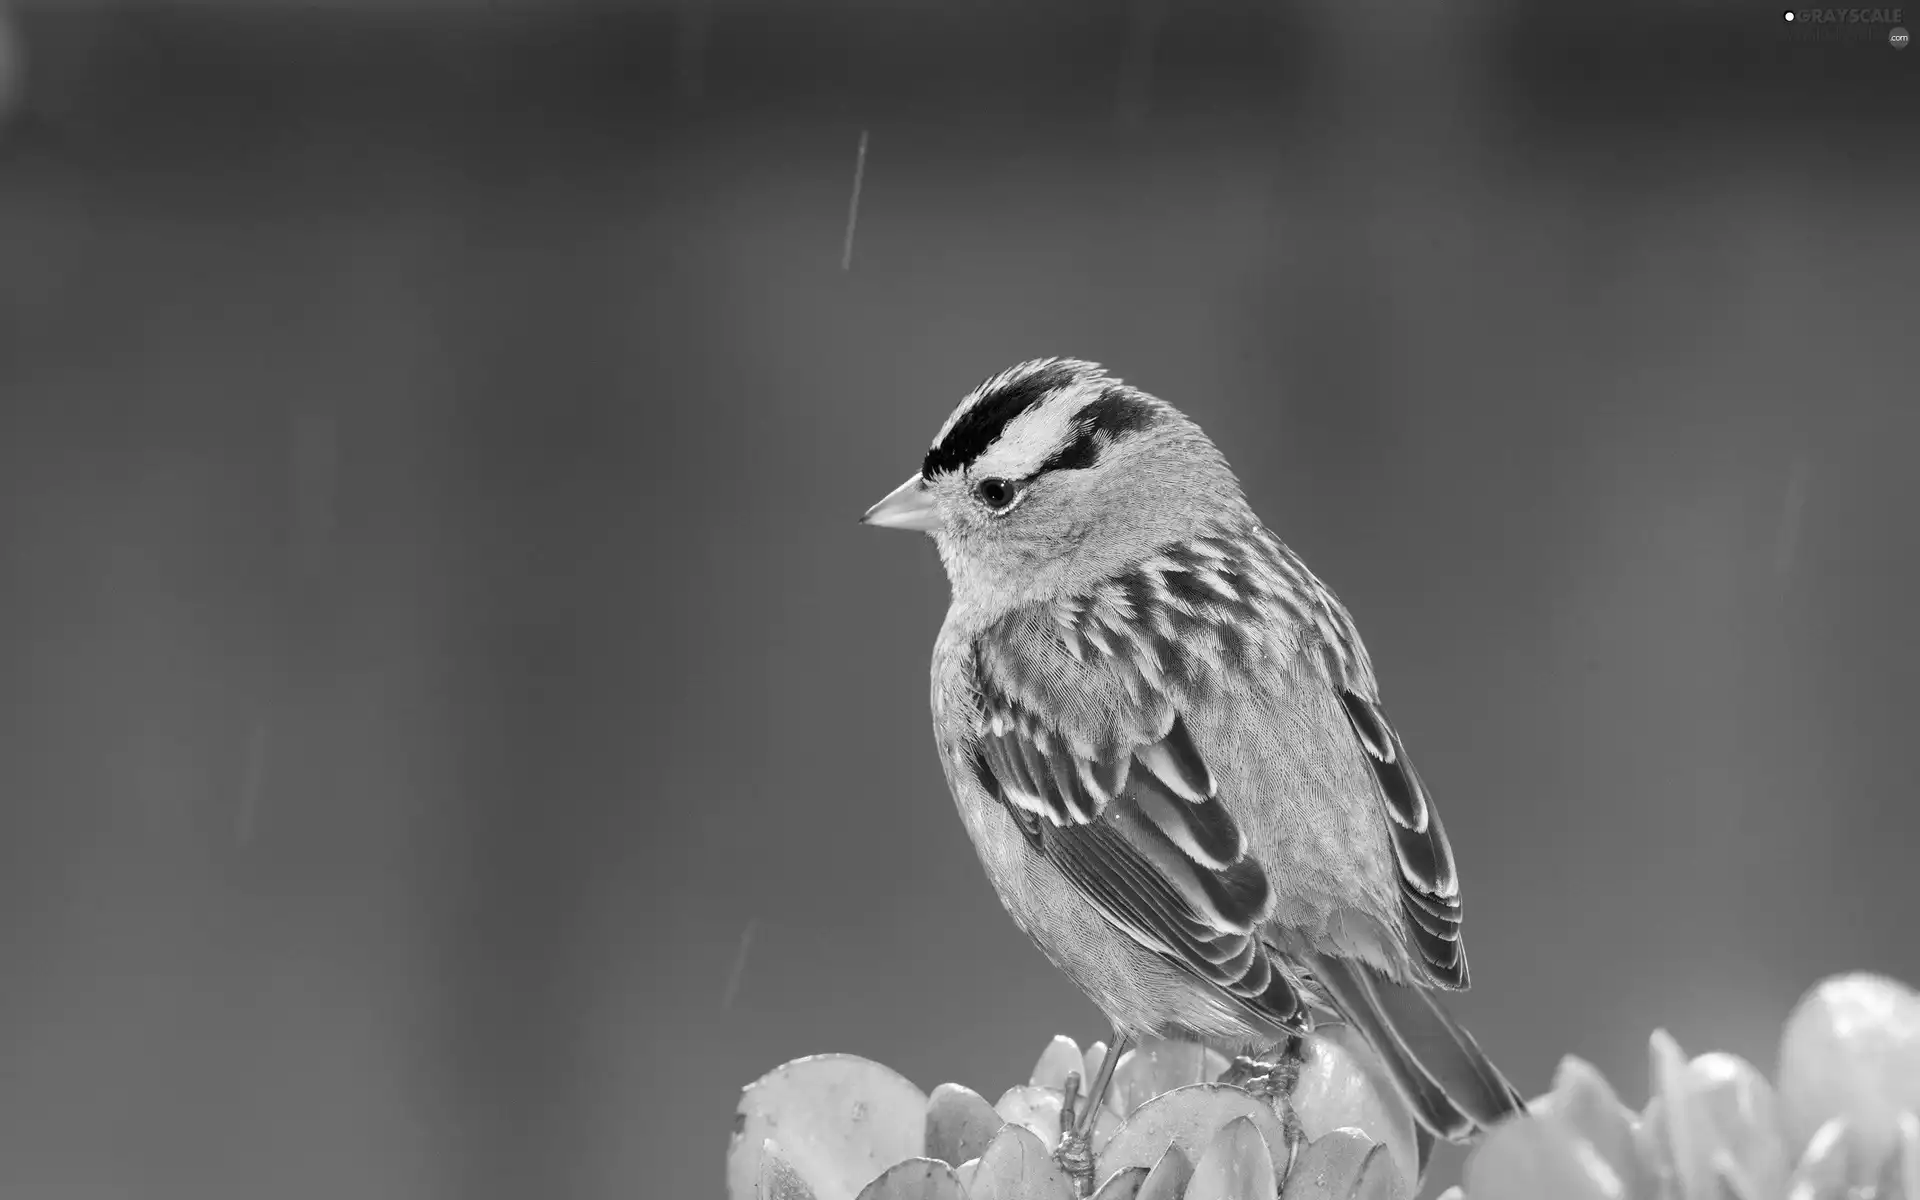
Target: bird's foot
x,y
1075,1156
1249,1074
1075,1151
1273,1081
1295,1133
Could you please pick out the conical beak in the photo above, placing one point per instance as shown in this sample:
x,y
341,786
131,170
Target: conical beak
x,y
909,506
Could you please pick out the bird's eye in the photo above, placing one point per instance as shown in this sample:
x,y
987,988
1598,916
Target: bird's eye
x,y
994,493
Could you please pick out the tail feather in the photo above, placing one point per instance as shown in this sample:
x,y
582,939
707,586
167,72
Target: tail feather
x,y
1454,1091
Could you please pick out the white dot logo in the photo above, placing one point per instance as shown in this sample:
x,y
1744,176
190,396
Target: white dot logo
x,y
1789,16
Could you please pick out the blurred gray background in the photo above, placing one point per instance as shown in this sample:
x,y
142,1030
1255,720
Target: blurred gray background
x,y
455,733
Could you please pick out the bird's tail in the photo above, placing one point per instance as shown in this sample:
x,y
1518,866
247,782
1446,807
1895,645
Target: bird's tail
x,y
1454,1091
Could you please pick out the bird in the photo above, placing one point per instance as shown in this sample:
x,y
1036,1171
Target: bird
x,y
1166,742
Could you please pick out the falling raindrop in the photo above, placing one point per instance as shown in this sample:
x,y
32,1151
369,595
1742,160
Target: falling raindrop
x,y
853,205
739,963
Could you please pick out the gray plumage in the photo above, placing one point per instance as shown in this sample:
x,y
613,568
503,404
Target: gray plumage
x,y
1165,738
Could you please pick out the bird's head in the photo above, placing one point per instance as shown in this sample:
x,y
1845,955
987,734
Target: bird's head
x,y
1052,475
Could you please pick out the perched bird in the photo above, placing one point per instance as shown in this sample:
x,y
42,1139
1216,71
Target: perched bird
x,y
1166,741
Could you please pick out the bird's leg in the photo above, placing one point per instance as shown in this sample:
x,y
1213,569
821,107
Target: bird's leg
x,y
1273,1081
1078,1114
1075,1151
1292,1058
1103,1082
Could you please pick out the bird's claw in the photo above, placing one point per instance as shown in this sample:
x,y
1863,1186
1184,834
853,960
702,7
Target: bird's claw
x,y
1075,1151
1247,1073
1075,1156
1295,1133
1274,1082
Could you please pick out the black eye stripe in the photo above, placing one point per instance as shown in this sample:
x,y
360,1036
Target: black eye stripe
x,y
1077,455
981,425
1119,411
1116,413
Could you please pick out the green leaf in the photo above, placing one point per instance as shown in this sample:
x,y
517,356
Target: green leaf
x,y
915,1179
1737,1108
1189,1118
1236,1166
1033,1108
1852,1049
1380,1179
960,1123
1830,1168
1344,1085
1155,1067
839,1121
1678,1125
1123,1184
1017,1167
1168,1179
1061,1057
1343,1165
1585,1104
1904,1170
1530,1157
778,1180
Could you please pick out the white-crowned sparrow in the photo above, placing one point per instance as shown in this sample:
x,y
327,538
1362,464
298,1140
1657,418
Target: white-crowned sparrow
x,y
1165,738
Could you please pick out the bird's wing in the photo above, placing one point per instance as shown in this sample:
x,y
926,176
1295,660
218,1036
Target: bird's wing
x,y
1429,885
1447,1080
1125,807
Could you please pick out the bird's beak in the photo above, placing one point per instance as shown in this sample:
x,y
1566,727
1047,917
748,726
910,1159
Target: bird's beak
x,y
909,506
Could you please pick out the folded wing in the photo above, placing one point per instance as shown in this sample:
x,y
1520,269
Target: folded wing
x,y
1429,885
1140,831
